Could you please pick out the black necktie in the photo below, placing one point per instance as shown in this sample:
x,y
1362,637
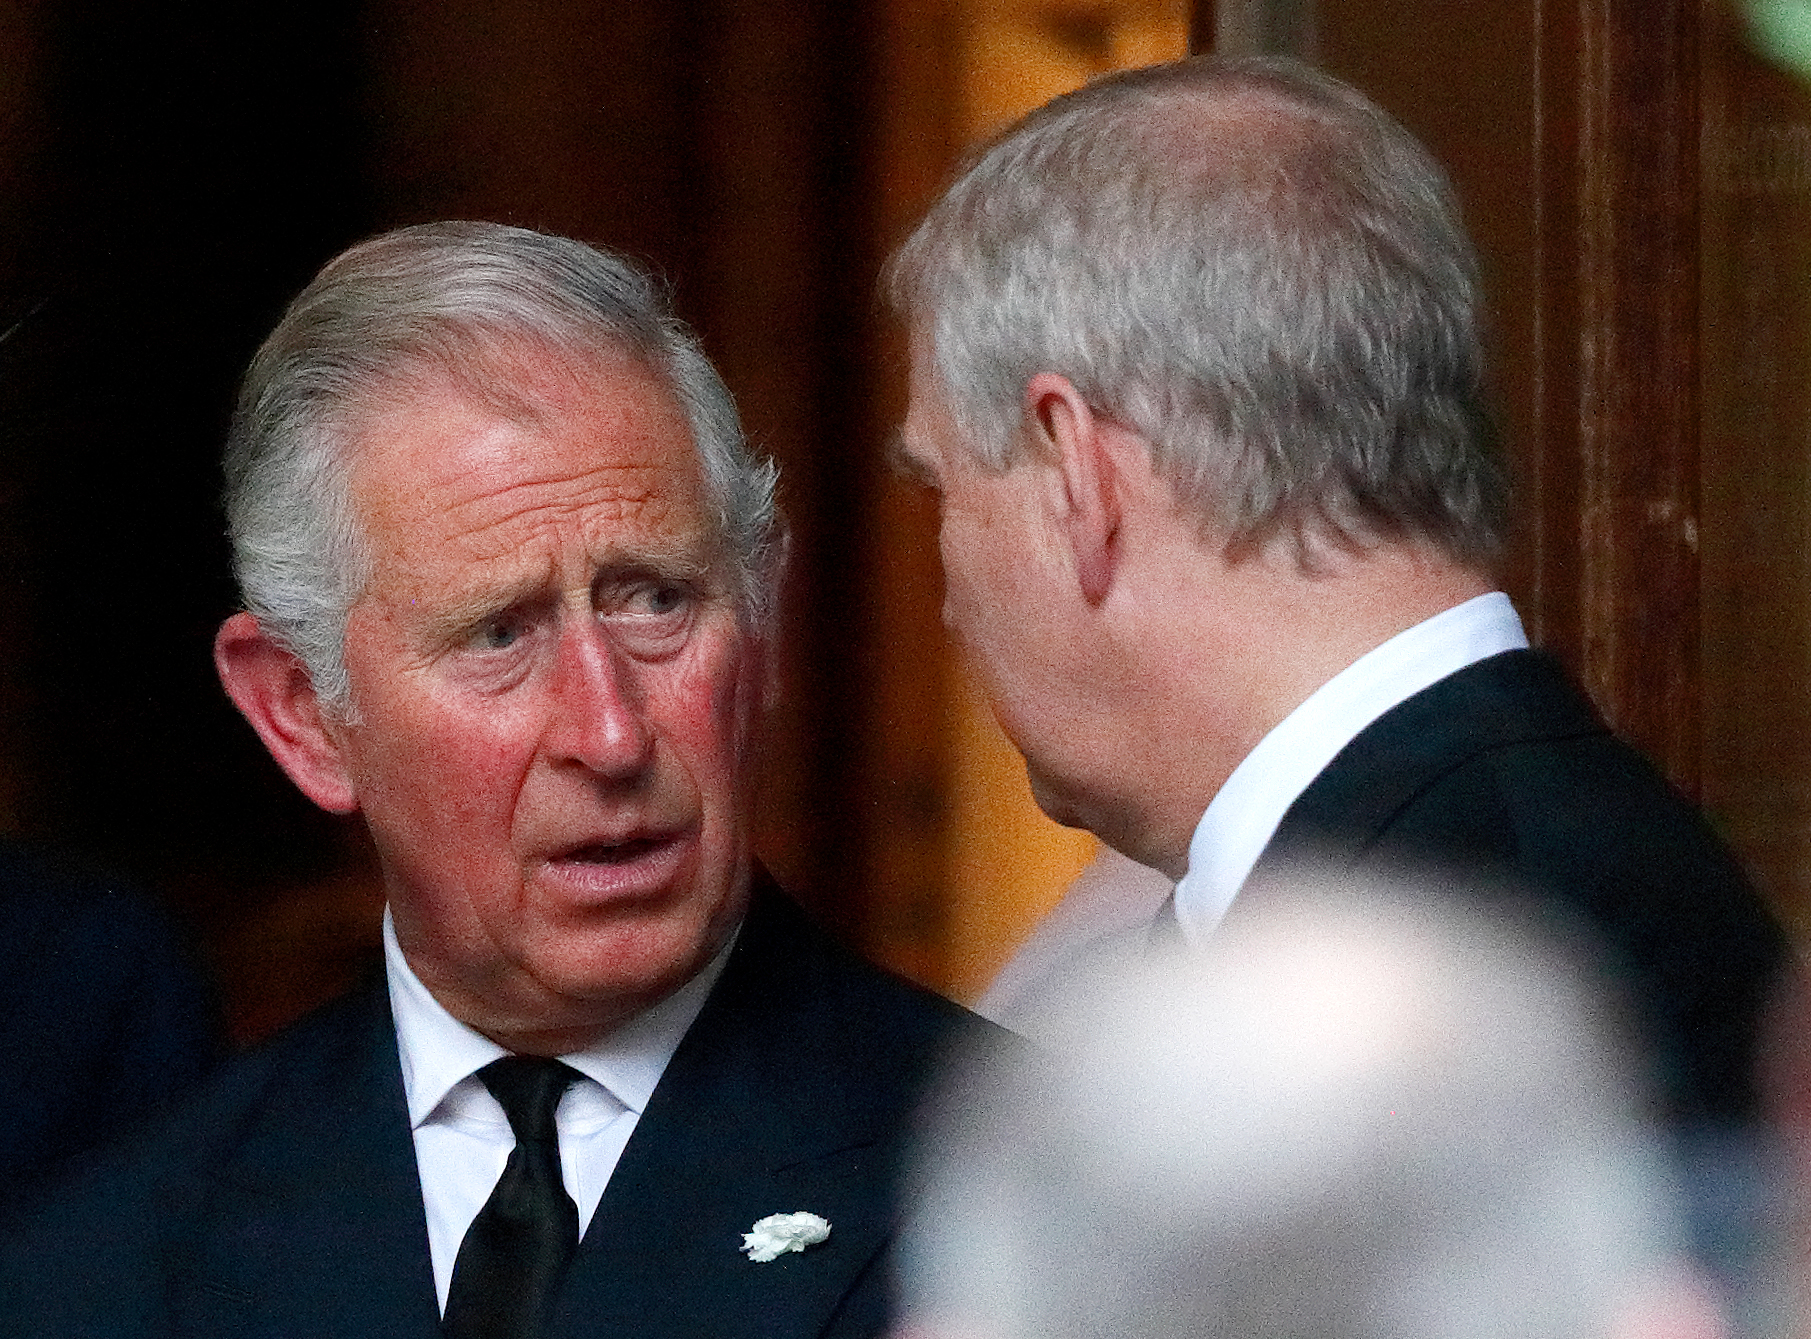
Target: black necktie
x,y
518,1246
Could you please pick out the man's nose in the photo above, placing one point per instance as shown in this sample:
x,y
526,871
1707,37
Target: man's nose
x,y
599,713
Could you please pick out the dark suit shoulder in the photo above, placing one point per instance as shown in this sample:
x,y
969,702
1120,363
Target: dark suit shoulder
x,y
212,1118
1505,768
858,1044
103,1014
794,1090
784,954
220,1173
341,1047
1504,773
1405,758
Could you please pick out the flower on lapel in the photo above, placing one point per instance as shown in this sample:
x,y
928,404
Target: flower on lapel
x,y
778,1233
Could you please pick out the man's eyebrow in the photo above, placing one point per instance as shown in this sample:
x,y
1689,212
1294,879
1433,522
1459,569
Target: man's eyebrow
x,y
467,607
680,563
461,610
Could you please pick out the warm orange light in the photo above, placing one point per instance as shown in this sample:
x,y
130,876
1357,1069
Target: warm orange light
x,y
1018,54
1008,863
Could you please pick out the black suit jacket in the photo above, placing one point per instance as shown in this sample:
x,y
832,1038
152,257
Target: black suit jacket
x,y
284,1200
1504,773
103,1017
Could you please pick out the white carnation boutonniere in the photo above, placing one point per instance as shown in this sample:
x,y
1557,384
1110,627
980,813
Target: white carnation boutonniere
x,y
779,1233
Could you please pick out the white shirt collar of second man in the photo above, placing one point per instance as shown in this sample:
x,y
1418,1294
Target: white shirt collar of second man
x,y
1244,815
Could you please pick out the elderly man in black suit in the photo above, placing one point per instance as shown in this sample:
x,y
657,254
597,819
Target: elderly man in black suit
x,y
1197,375
509,572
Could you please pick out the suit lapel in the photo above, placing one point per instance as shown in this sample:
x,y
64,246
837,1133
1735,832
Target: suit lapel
x,y
761,1111
315,1225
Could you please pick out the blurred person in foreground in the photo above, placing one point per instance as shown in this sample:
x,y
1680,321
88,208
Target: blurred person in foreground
x,y
510,574
1111,899
1357,1115
1197,377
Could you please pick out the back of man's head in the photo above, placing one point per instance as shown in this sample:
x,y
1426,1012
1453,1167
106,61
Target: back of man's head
x,y
1253,267
1357,1118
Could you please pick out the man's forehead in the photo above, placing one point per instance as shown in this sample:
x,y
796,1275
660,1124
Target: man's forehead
x,y
611,469
612,510
426,418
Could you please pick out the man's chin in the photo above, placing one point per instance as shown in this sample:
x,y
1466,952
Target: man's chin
x,y
578,983
575,1010
1115,826
640,960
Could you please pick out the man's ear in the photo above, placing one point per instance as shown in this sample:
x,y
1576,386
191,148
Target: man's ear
x,y
1071,437
273,691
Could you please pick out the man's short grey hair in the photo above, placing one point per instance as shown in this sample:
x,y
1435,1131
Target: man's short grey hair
x,y
1253,267
436,301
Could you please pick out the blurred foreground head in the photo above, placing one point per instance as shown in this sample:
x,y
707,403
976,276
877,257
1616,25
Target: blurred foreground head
x,y
1358,1115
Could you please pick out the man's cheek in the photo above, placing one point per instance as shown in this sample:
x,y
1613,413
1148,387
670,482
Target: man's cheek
x,y
462,772
706,699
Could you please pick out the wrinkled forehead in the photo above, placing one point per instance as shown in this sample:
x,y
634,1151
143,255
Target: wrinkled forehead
x,y
604,448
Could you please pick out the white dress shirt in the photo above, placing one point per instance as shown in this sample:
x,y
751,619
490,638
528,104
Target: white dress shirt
x,y
462,1138
1244,815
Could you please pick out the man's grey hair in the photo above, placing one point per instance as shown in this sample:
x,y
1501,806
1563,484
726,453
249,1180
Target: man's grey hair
x,y
437,301
1252,266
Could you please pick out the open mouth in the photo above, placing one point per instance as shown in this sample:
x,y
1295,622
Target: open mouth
x,y
649,864
613,853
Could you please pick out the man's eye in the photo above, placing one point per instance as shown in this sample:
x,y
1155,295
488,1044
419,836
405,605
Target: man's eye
x,y
658,598
665,599
499,634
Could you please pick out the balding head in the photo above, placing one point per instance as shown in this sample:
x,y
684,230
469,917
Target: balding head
x,y
1250,265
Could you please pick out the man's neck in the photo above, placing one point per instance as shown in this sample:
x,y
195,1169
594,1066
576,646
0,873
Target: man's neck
x,y
1233,646
1247,811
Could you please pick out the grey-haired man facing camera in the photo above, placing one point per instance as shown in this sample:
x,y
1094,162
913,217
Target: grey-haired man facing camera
x,y
509,572
1197,376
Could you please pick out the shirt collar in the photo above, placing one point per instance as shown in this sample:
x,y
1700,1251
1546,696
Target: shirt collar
x,y
437,1051
1245,813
